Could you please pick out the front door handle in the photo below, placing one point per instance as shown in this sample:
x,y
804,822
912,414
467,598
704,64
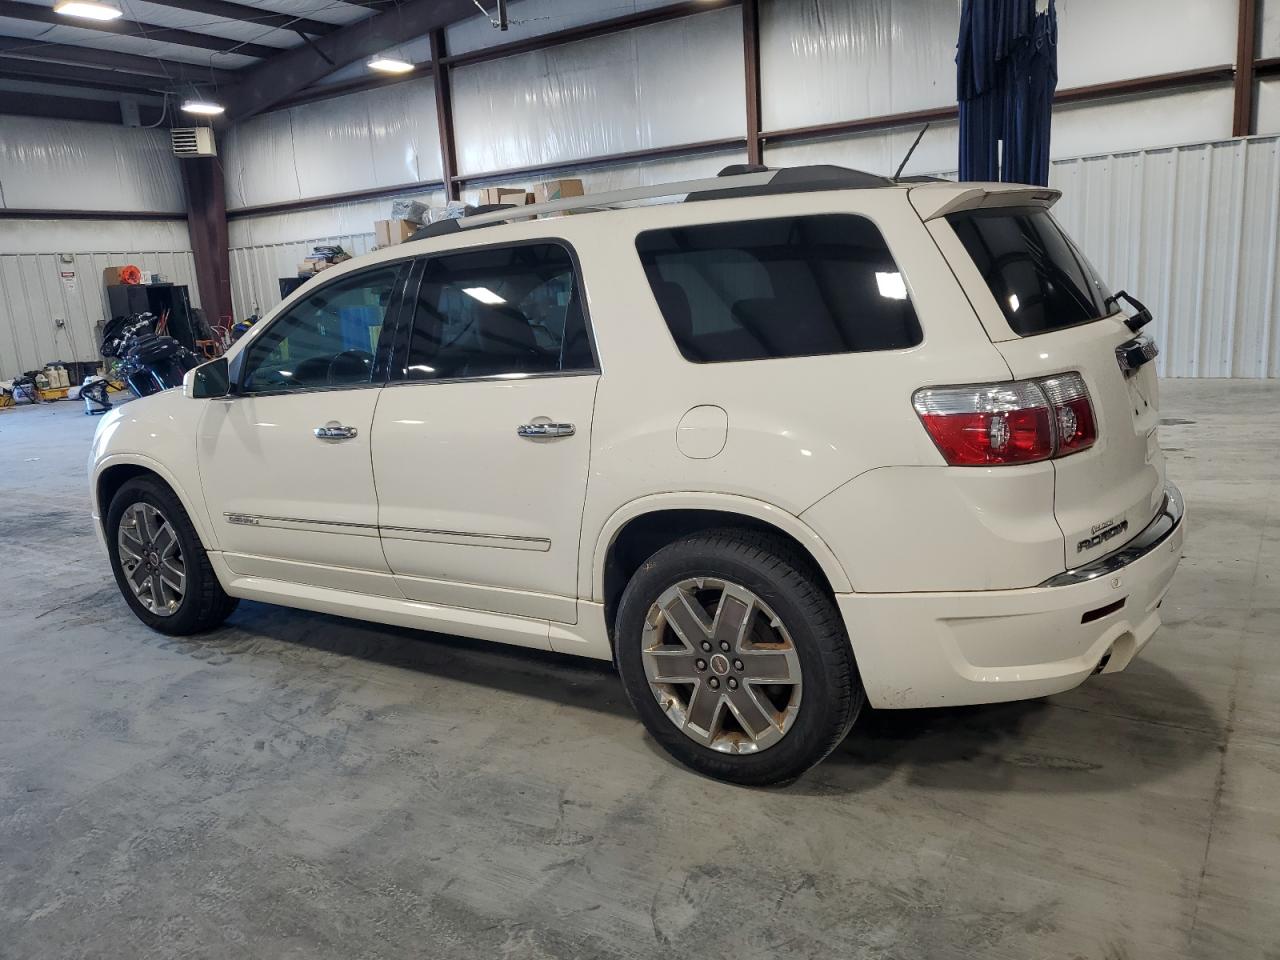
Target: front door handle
x,y
335,432
534,431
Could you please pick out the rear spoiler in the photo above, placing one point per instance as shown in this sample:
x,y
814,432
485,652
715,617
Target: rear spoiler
x,y
936,200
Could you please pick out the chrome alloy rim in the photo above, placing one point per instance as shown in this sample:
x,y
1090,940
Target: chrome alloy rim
x,y
152,559
721,665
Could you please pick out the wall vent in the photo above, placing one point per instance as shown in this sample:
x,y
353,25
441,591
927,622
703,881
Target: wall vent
x,y
193,142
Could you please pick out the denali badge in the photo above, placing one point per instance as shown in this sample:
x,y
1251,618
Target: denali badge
x,y
1103,536
242,519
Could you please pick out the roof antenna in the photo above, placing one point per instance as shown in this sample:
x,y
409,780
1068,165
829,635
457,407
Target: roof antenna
x,y
920,136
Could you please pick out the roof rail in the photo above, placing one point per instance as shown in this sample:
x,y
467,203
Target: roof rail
x,y
738,180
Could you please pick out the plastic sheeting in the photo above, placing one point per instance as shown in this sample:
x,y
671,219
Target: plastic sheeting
x,y
70,165
1102,40
1078,130
1270,29
1268,106
665,84
878,152
35,292
822,61
362,141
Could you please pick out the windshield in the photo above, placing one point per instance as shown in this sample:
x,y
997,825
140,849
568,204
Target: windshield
x,y
1040,279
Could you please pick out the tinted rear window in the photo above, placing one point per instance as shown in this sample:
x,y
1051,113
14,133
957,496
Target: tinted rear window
x,y
790,287
1039,278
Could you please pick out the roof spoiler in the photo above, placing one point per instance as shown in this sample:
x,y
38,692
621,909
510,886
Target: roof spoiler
x,y
932,201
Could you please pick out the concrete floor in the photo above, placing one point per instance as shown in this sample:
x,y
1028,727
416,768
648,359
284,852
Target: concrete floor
x,y
300,786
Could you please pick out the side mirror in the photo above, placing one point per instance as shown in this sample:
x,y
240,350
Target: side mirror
x,y
208,380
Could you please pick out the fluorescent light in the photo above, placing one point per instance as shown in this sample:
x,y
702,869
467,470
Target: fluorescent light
x,y
390,65
891,285
206,107
483,294
89,9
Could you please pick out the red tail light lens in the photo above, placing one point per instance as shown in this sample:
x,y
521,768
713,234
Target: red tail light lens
x,y
999,423
1072,412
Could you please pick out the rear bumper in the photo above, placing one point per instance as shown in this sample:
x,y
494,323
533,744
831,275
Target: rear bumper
x,y
940,649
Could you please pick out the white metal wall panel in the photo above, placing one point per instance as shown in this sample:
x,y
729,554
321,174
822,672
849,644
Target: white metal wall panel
x,y
1268,106
1102,40
823,61
1270,29
34,295
660,85
533,18
375,138
1192,231
67,164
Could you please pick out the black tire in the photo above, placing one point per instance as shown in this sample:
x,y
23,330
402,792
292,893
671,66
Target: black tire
x,y
786,581
204,604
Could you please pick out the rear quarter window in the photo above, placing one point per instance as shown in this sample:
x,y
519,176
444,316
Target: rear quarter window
x,y
1039,278
786,287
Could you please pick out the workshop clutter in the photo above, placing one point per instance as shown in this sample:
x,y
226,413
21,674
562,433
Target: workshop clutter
x,y
322,257
409,216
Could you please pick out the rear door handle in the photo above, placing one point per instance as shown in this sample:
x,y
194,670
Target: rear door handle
x,y
533,431
335,432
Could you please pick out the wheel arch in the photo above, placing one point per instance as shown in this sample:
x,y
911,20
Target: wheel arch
x,y
116,471
637,529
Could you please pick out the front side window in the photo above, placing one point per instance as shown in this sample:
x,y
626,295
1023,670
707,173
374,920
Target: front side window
x,y
503,311
327,340
790,287
1040,280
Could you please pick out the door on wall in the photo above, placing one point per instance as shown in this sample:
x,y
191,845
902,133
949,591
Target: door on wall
x,y
481,440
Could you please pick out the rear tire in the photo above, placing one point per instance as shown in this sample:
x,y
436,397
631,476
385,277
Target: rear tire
x,y
736,657
160,565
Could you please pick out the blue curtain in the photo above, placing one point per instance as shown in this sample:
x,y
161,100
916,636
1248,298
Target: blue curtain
x,y
1006,73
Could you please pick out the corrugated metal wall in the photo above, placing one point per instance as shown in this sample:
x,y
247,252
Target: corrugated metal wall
x,y
35,296
1194,231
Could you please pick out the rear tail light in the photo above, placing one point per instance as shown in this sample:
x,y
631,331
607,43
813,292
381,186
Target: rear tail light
x,y
1017,422
1072,412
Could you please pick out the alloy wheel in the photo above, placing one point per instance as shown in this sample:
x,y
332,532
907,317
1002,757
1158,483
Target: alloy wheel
x,y
151,557
722,665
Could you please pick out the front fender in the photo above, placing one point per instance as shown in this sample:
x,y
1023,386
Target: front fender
x,y
592,561
157,434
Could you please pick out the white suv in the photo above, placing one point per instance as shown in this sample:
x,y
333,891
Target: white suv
x,y
808,439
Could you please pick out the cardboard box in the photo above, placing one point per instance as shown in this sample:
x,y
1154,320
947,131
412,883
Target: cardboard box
x,y
390,232
111,276
558,190
490,195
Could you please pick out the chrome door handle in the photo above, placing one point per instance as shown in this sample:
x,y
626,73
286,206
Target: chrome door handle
x,y
335,433
533,431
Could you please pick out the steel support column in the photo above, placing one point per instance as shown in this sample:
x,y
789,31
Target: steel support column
x,y
207,225
1242,124
443,83
751,65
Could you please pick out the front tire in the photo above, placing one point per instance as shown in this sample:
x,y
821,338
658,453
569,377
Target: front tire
x,y
160,565
736,658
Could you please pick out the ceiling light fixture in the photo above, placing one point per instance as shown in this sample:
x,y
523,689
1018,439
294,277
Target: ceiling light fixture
x,y
88,9
204,107
390,65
